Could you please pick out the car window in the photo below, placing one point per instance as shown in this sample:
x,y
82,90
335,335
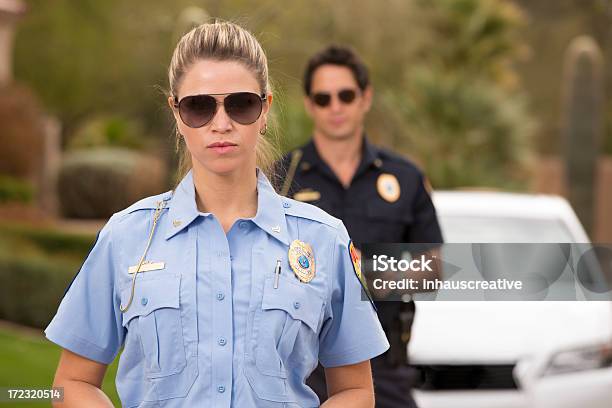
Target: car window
x,y
542,262
473,229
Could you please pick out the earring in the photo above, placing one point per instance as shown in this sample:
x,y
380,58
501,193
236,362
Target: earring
x,y
263,130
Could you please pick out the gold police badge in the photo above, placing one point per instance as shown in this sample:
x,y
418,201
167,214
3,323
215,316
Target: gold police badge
x,y
388,187
301,260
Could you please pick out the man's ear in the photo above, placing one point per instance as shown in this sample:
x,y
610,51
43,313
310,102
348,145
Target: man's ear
x,y
308,106
368,94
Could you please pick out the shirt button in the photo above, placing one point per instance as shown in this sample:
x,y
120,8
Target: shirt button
x,y
221,389
144,301
220,296
222,341
243,225
286,205
296,305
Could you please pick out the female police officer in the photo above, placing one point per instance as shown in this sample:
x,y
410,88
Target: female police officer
x,y
221,292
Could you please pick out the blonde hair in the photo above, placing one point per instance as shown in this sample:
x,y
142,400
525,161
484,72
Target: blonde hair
x,y
221,41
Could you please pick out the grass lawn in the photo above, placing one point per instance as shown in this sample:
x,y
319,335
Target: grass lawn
x,y
29,361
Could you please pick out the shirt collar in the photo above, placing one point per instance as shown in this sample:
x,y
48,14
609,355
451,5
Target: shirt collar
x,y
183,209
369,156
270,215
312,159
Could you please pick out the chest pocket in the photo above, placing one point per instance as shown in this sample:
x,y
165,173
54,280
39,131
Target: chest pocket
x,y
285,333
386,222
154,316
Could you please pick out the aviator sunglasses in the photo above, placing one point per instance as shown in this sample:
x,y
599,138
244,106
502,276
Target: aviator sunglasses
x,y
323,99
198,110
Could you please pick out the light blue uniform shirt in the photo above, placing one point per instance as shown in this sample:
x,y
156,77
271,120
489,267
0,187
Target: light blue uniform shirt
x,y
210,329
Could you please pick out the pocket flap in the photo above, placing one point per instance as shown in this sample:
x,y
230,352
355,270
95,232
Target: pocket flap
x,y
150,295
296,298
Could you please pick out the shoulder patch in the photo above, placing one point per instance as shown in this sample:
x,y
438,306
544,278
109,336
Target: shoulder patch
x,y
356,261
311,212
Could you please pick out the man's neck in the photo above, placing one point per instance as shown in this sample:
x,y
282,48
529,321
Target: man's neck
x,y
227,196
341,155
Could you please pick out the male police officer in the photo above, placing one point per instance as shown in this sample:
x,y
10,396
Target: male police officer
x,y
380,196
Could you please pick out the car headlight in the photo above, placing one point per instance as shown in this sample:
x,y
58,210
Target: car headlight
x,y
590,357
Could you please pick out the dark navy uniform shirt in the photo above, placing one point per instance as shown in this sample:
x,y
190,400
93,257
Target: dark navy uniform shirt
x,y
368,216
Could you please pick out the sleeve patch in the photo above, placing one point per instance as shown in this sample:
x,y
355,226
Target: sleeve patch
x,y
356,261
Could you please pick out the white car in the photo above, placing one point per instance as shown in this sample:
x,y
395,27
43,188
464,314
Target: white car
x,y
511,354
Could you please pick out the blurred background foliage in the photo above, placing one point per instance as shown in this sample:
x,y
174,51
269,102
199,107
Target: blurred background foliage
x,y
100,66
37,263
467,88
97,182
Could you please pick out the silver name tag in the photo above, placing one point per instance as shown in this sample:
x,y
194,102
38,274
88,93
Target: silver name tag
x,y
147,266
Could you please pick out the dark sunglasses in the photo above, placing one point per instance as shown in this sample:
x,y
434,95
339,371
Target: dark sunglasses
x,y
323,99
242,107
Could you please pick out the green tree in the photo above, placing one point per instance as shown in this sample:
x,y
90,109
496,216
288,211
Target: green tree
x,y
93,58
462,110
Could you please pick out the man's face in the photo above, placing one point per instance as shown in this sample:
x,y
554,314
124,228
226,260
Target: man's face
x,y
341,118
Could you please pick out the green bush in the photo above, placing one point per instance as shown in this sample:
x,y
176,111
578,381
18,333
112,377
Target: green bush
x,y
14,189
108,131
462,111
47,239
95,183
32,288
35,270
467,132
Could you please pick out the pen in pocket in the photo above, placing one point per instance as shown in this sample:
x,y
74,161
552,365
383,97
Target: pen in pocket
x,y
277,272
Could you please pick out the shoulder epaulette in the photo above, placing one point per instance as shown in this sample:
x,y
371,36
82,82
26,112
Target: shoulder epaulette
x,y
147,203
311,212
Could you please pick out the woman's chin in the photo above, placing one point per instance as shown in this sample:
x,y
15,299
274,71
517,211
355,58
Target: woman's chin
x,y
223,166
